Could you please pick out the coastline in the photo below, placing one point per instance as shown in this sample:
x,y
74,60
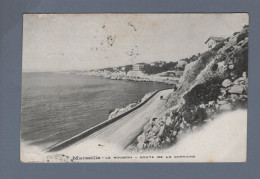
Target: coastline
x,y
137,76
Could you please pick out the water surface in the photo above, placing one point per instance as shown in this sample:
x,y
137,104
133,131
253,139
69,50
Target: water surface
x,y
56,106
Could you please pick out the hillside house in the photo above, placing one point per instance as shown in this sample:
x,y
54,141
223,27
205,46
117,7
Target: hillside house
x,y
138,66
153,63
213,41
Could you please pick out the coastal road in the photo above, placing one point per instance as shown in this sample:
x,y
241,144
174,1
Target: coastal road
x,y
120,133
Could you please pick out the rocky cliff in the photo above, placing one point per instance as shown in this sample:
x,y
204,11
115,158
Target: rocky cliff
x,y
216,82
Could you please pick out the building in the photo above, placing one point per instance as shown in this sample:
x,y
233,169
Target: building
x,y
213,41
138,66
115,68
153,63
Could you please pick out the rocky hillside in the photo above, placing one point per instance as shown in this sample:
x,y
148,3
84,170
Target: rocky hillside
x,y
216,82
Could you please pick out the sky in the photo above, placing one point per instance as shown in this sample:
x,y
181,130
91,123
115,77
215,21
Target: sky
x,y
60,42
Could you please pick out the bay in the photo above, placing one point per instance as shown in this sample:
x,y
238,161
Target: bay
x,y
57,106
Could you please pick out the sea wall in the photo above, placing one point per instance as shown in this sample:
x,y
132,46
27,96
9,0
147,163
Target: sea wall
x,y
90,131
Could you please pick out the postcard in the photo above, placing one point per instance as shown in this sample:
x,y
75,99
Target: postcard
x,y
148,87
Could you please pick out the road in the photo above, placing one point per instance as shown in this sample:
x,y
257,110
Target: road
x,y
120,133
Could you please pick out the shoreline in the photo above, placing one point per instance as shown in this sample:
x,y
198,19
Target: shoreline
x,y
139,77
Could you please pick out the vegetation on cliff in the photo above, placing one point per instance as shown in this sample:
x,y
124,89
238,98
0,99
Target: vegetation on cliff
x,y
213,83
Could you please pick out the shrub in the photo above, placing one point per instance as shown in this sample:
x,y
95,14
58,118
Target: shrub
x,y
203,93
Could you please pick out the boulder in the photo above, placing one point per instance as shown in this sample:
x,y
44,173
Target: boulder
x,y
227,83
236,89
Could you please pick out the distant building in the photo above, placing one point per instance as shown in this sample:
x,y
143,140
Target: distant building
x,y
158,63
123,68
178,74
138,66
213,41
181,64
153,63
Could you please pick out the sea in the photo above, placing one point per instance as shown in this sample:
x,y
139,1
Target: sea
x,y
57,106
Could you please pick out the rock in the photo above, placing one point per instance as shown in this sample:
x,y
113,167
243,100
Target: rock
x,y
217,107
227,83
211,103
168,139
233,75
194,128
130,148
151,141
182,126
242,96
174,133
231,67
244,82
225,107
241,80
221,64
149,136
202,106
245,87
220,97
234,97
236,82
141,138
244,74
161,131
157,141
147,127
155,130
168,121
236,89
161,123
222,102
140,146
